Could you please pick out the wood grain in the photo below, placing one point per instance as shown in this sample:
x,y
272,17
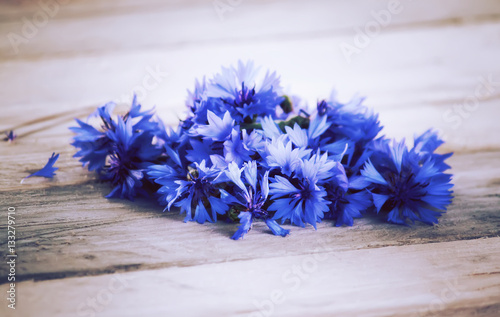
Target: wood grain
x,y
74,245
460,278
408,104
68,228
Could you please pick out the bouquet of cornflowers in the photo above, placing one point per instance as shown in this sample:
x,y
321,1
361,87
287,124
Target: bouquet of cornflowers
x,y
247,152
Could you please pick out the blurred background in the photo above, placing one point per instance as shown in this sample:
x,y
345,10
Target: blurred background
x,y
421,64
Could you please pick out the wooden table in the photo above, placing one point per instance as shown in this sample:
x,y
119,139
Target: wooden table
x,y
421,63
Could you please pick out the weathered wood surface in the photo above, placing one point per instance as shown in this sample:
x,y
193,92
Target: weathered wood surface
x,y
429,59
68,228
460,278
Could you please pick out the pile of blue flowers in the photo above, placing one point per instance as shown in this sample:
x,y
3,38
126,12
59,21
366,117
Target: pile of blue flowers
x,y
247,152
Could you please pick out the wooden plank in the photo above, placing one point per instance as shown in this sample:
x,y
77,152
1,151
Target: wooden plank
x,y
408,104
66,227
421,66
127,26
381,71
439,82
460,278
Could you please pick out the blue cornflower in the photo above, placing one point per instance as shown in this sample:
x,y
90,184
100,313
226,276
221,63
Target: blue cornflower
x,y
243,95
175,144
121,150
10,136
252,198
308,138
346,203
351,121
196,194
235,150
93,146
241,146
196,97
253,141
406,189
284,156
132,152
202,150
299,198
105,113
48,170
199,104
218,136
245,148
166,176
424,147
217,129
143,120
269,128
356,155
324,167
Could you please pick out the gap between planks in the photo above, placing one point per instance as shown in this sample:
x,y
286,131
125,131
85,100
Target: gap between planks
x,y
67,228
459,278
